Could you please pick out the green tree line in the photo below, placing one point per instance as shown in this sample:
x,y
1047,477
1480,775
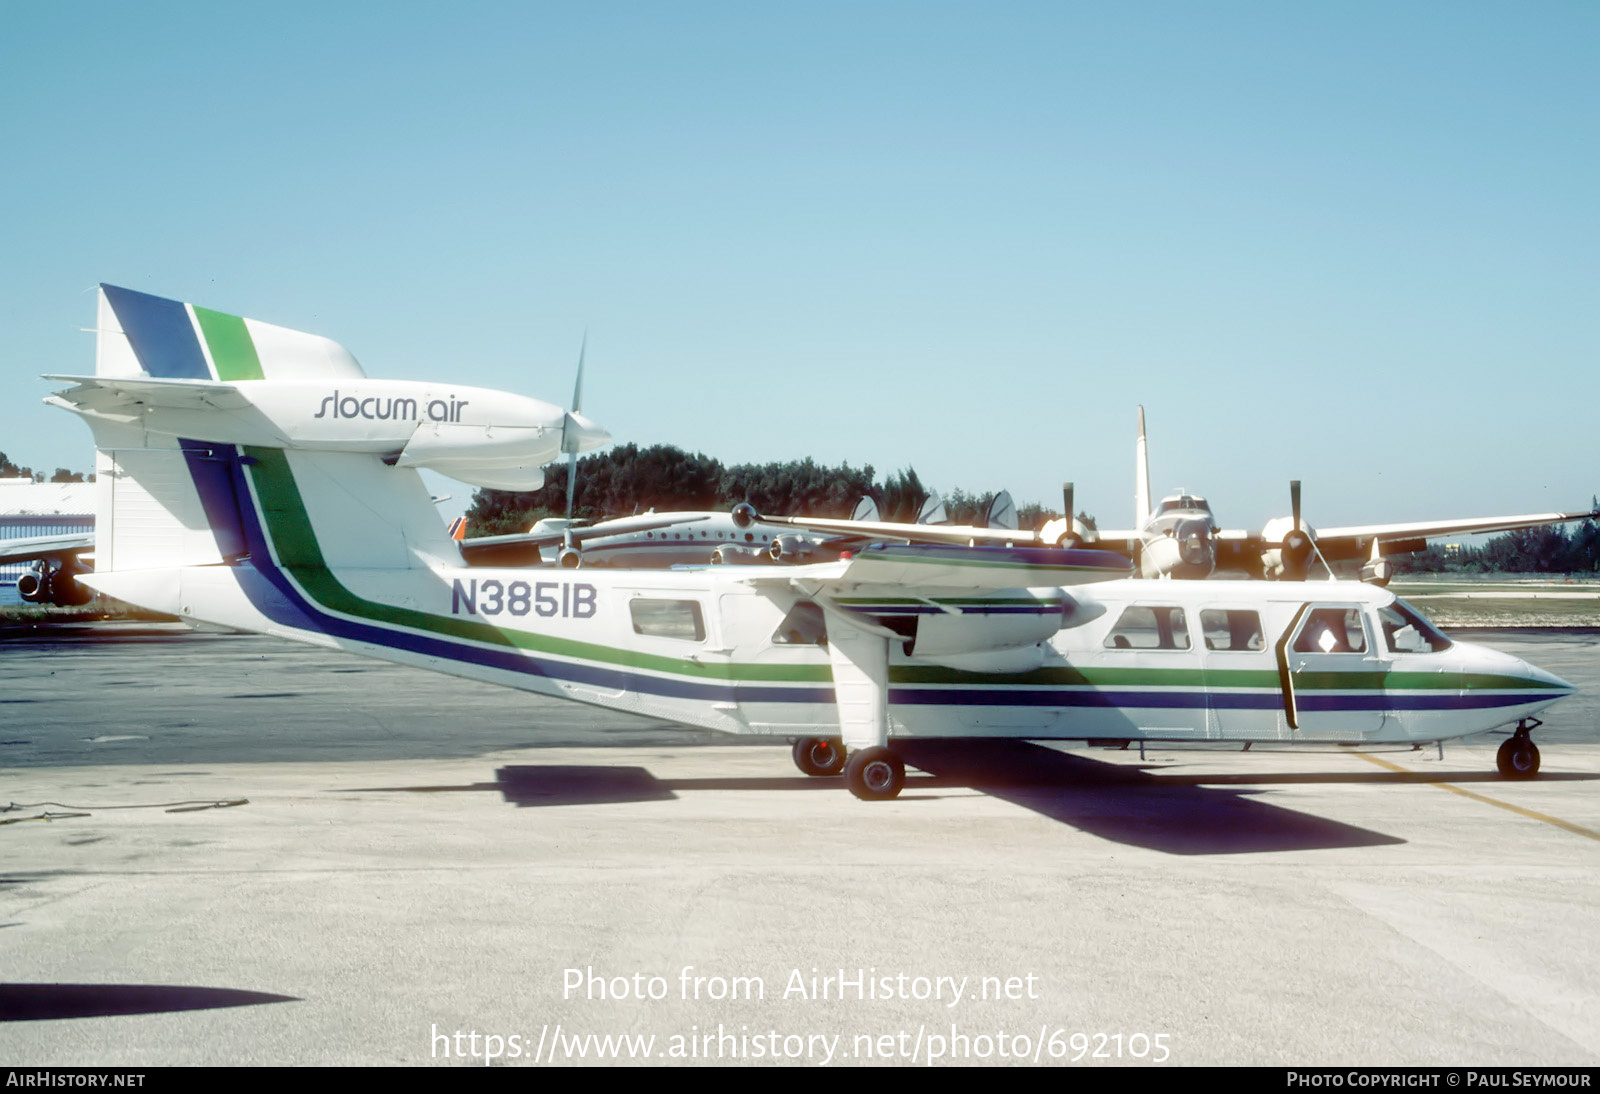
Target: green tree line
x,y
1553,549
9,470
628,478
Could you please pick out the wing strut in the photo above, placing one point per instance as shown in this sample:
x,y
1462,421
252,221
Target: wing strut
x,y
860,680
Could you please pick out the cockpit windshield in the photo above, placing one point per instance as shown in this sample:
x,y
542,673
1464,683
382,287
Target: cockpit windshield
x,y
1405,630
1182,502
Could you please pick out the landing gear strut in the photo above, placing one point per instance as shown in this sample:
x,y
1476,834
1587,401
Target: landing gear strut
x,y
1518,757
819,755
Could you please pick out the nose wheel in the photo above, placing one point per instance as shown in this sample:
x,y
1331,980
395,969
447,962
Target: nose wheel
x,y
1518,757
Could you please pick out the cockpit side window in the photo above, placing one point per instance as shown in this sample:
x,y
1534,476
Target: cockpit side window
x,y
1233,630
1332,630
1405,630
1150,628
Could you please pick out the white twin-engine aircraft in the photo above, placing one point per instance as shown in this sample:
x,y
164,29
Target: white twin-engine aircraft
x,y
231,492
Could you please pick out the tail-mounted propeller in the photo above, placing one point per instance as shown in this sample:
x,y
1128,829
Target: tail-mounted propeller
x,y
572,427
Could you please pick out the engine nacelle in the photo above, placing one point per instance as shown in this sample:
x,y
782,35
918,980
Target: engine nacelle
x,y
1188,551
796,549
1290,559
569,558
1377,571
1013,619
744,515
733,554
46,585
1061,532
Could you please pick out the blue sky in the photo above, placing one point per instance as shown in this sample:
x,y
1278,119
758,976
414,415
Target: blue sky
x,y
1356,244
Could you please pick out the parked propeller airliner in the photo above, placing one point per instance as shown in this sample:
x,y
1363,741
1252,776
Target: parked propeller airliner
x,y
318,530
1180,538
652,539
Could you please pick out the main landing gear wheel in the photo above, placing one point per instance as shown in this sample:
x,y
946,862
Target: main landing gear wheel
x,y
1518,758
819,756
875,774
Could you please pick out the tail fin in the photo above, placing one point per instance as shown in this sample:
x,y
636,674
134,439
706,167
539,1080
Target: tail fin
x,y
163,502
866,509
458,529
139,335
1002,512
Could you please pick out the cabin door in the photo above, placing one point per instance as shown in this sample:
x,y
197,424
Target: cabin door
x,y
1333,679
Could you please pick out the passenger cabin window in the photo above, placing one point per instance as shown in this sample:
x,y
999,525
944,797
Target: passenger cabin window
x,y
1232,630
1406,631
668,618
1144,628
1332,630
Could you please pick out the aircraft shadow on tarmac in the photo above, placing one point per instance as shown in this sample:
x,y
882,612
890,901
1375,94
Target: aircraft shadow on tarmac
x,y
1125,803
42,1002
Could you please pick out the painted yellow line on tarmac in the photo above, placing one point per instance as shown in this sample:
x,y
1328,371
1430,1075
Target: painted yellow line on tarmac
x,y
1545,817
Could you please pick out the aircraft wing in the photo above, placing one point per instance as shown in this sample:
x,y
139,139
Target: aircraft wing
x,y
905,533
30,548
1355,542
914,566
484,550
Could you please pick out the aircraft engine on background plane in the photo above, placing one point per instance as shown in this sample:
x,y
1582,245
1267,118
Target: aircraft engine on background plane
x,y
1290,543
1067,531
58,585
1290,558
1187,550
736,554
795,549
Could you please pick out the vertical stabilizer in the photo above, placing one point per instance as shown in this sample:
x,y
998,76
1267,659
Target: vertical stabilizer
x,y
139,335
163,502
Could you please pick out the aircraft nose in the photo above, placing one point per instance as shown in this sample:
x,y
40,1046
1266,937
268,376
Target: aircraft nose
x,y
1194,541
1550,679
1541,679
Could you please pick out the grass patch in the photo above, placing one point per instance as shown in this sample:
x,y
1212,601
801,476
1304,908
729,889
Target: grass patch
x,y
31,616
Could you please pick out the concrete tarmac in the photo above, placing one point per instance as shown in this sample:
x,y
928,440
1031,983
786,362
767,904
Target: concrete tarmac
x,y
232,850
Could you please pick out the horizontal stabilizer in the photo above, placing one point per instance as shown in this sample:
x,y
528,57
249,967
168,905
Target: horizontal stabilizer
x,y
113,393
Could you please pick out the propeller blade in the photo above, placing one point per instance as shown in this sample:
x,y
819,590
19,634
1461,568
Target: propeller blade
x,y
570,434
1066,500
1294,501
577,388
